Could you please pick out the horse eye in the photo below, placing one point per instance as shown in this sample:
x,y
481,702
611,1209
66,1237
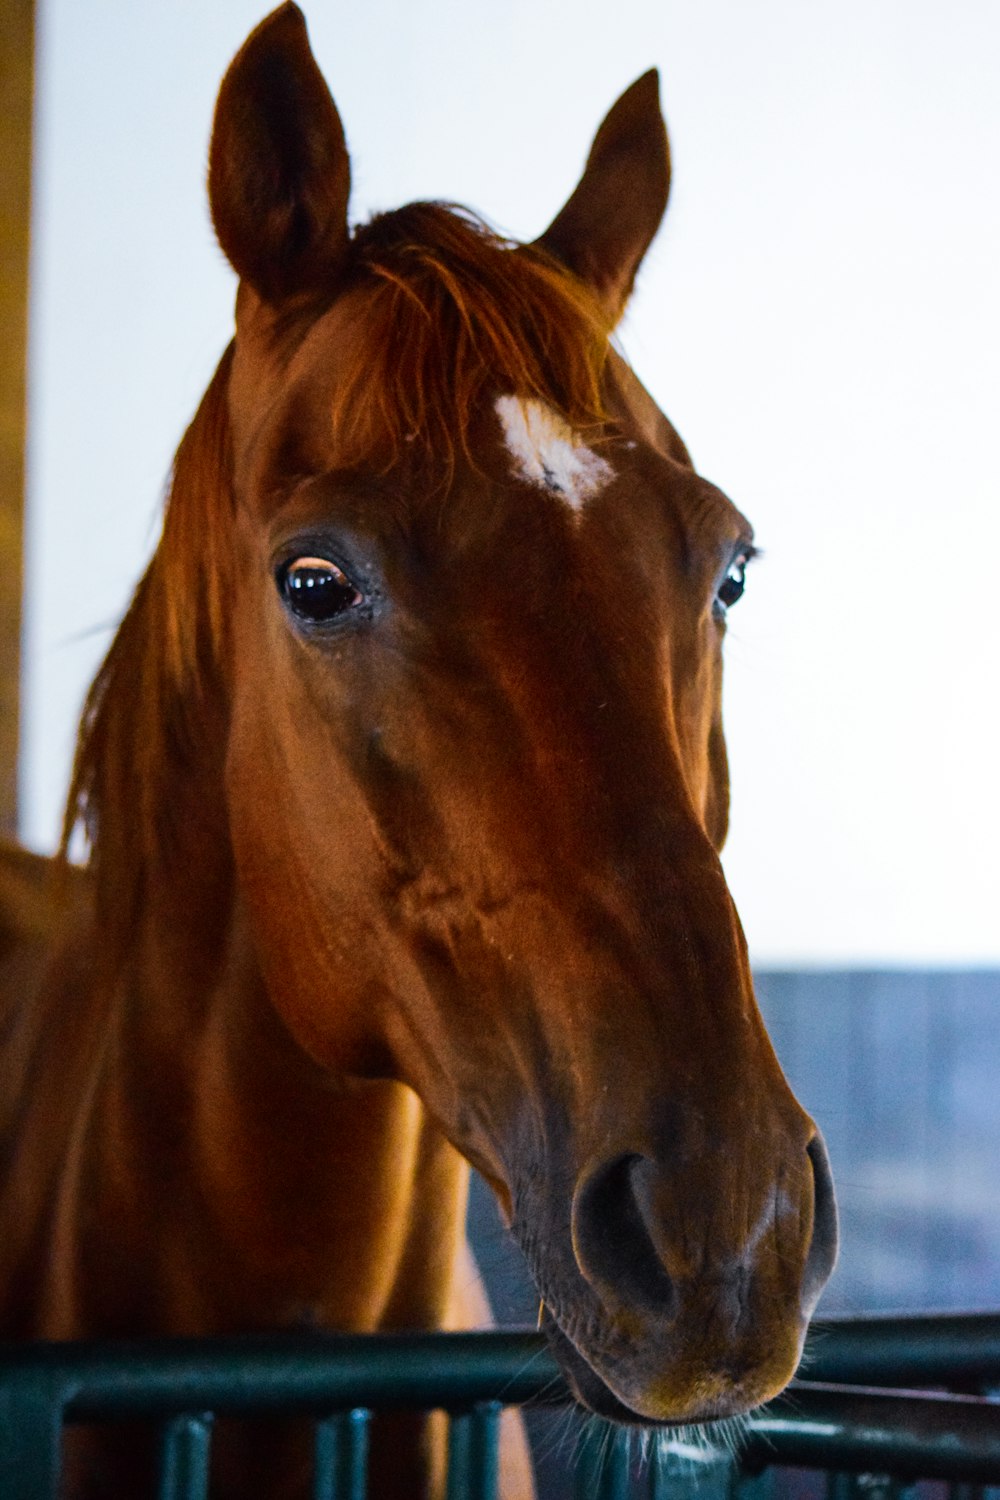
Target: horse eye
x,y
315,589
732,586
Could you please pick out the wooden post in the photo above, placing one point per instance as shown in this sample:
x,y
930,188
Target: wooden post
x,y
16,91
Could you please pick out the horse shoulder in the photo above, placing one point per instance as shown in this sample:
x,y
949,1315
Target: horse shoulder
x,y
44,976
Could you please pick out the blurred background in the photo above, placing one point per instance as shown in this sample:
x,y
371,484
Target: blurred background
x,y
820,317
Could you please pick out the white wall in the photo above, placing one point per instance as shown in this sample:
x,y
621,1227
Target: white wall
x,y
821,318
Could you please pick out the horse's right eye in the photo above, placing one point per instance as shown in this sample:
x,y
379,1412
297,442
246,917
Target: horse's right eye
x,y
316,590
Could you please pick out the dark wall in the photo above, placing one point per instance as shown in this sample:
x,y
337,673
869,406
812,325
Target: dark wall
x,y
902,1071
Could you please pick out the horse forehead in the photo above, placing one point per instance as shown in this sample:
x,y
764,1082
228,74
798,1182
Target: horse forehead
x,y
525,440
545,452
541,449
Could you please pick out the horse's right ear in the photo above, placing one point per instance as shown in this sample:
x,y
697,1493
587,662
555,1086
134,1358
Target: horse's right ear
x,y
279,175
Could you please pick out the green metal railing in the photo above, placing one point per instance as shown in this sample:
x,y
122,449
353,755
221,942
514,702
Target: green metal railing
x,y
947,1351
340,1381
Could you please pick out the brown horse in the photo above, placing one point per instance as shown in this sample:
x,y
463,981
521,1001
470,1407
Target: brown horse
x,y
404,783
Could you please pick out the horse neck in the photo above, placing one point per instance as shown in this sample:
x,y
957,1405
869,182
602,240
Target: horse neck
x,y
272,1192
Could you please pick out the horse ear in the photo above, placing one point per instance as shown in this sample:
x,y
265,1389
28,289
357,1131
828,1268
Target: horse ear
x,y
279,175
606,227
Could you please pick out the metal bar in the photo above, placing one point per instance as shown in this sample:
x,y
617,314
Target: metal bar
x,y
951,1350
341,1456
239,1375
185,1453
31,1438
602,1465
878,1432
815,1425
474,1453
322,1373
742,1487
280,1372
688,1471
879,1487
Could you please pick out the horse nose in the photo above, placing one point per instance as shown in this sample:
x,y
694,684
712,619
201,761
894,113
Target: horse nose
x,y
636,1254
822,1256
612,1241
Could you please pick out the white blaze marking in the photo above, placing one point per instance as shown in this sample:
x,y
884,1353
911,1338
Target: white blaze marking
x,y
547,452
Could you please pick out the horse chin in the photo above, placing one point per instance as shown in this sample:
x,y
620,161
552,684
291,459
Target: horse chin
x,y
594,1393
587,1386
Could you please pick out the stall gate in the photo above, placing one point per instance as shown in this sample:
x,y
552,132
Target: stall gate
x,y
859,1415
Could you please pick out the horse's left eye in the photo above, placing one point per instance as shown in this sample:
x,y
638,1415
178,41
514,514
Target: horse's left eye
x,y
732,586
315,589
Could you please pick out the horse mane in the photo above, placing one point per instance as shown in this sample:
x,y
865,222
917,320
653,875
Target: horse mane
x,y
452,312
144,715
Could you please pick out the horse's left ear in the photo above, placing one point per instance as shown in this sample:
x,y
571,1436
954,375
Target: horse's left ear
x,y
606,227
279,175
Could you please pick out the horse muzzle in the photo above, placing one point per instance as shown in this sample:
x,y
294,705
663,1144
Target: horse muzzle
x,y
672,1324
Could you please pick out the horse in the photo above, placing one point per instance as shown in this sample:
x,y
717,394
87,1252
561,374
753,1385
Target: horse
x,y
401,790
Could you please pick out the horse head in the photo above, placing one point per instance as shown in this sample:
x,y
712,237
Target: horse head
x,y
473,604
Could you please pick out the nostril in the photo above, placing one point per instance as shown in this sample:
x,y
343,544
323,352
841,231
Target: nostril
x,y
612,1241
823,1250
